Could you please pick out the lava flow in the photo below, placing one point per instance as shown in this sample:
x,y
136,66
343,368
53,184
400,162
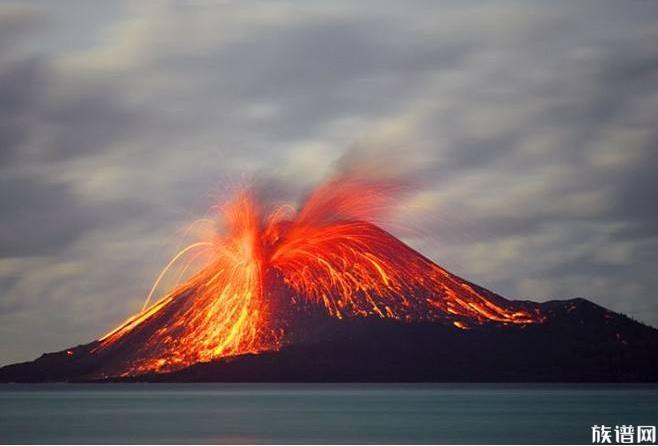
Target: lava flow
x,y
267,265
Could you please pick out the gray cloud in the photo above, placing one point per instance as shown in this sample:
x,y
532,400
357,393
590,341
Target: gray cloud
x,y
527,130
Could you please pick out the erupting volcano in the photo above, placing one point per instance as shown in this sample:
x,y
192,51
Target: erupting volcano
x,y
267,282
271,267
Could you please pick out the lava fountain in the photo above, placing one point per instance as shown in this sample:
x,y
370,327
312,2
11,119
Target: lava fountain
x,y
270,265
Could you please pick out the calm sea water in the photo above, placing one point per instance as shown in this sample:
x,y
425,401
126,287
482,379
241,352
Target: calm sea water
x,y
318,413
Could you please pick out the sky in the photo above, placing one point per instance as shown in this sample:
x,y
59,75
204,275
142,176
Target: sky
x,y
528,131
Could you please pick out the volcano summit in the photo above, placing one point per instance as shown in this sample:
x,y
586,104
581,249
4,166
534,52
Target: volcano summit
x,y
324,294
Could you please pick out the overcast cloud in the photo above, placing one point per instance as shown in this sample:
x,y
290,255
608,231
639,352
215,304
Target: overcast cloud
x,y
529,130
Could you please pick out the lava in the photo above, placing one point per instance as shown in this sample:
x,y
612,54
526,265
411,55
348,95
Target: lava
x,y
265,263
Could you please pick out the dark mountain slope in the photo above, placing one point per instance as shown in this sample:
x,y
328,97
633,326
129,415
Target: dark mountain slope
x,y
579,342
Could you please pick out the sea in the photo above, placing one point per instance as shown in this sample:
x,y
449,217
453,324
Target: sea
x,y
320,413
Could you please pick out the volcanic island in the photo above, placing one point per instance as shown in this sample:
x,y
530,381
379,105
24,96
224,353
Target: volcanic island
x,y
321,293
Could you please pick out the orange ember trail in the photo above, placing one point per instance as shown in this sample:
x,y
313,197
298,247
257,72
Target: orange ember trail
x,y
328,255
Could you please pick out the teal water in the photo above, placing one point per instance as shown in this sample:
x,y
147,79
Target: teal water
x,y
319,413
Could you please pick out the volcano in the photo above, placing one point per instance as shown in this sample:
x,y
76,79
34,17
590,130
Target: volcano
x,y
323,293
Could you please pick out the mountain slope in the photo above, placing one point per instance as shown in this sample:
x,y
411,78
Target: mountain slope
x,y
579,342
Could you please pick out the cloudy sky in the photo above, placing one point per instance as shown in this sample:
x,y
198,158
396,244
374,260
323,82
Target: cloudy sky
x,y
529,130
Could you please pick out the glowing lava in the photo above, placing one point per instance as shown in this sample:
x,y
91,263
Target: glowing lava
x,y
265,265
